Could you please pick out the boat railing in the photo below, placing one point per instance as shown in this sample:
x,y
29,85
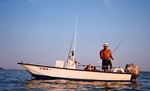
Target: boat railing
x,y
96,66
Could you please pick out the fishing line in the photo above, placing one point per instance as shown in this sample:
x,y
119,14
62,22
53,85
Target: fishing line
x,y
121,42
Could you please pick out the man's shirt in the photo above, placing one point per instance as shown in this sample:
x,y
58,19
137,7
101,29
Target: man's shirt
x,y
105,54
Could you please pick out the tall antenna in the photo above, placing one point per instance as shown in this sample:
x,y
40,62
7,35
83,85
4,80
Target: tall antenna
x,y
75,33
73,39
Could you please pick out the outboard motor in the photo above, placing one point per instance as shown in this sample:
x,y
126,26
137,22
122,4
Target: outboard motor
x,y
130,68
134,70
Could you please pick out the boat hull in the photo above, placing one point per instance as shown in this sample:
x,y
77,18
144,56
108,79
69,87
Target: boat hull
x,y
48,72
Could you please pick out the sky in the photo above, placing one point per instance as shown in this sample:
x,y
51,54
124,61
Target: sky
x,y
40,31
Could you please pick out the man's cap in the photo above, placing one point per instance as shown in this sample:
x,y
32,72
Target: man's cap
x,y
105,44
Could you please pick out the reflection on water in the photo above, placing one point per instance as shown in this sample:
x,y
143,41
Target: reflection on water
x,y
63,85
19,80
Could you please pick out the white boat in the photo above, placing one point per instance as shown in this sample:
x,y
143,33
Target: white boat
x,y
49,72
70,71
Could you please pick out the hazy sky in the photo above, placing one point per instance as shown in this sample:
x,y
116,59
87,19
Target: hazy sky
x,y
40,31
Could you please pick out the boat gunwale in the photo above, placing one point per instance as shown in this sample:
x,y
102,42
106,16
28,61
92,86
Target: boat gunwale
x,y
99,71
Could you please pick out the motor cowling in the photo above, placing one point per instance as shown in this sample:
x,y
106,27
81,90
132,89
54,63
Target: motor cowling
x,y
130,68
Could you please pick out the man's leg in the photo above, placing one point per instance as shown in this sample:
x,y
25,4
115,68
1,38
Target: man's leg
x,y
105,65
109,65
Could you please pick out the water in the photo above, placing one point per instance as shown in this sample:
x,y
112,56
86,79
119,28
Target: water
x,y
14,80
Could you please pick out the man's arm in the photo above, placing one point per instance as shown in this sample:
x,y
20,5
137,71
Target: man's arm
x,y
101,54
111,55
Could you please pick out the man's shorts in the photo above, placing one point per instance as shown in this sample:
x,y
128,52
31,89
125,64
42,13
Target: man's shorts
x,y
105,64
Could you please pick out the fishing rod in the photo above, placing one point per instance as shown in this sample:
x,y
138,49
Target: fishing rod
x,y
120,42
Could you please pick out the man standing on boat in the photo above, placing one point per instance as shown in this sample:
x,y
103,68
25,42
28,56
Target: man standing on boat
x,y
106,56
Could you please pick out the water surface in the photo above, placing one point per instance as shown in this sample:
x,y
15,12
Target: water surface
x,y
22,80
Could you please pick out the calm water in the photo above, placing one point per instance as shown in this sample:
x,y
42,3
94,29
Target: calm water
x,y
12,80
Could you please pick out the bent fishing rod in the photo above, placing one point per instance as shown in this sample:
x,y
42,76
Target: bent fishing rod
x,y
120,42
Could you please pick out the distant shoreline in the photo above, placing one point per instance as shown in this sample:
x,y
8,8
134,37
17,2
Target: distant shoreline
x,y
10,69
1,68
